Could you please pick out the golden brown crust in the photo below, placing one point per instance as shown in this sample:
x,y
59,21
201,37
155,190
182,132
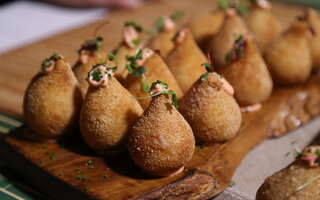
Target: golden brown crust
x,y
205,26
284,184
264,26
184,61
223,41
156,70
289,58
249,77
161,141
314,20
52,102
81,70
121,61
212,113
163,42
107,114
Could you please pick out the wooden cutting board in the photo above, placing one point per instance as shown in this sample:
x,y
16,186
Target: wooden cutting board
x,y
65,171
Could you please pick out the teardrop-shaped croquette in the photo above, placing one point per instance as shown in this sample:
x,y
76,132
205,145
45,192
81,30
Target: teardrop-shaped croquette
x,y
288,57
223,41
52,101
211,110
107,113
247,73
161,142
185,59
264,25
300,180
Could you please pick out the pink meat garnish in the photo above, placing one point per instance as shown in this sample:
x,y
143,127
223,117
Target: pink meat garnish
x,y
264,4
230,12
226,86
129,35
50,67
168,24
251,108
104,76
180,36
158,88
146,53
310,155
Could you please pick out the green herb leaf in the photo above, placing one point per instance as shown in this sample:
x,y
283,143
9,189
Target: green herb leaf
x,y
139,71
105,176
53,170
204,76
242,9
318,152
145,85
134,25
177,15
77,169
137,41
157,26
60,174
55,57
232,183
165,85
223,4
90,162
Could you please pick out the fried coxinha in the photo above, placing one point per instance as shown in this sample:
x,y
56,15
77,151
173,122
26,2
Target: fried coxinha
x,y
262,23
300,180
289,57
206,25
210,108
52,101
161,141
108,111
247,72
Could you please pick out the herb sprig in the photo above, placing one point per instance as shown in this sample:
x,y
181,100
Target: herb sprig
x,y
175,102
158,25
139,71
92,45
47,61
237,50
240,7
136,26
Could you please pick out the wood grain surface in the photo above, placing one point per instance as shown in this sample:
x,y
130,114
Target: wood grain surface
x,y
63,172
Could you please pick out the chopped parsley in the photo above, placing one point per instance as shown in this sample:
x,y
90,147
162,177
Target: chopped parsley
x,y
47,61
232,183
240,7
237,50
158,25
175,102
42,146
105,176
136,26
92,45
